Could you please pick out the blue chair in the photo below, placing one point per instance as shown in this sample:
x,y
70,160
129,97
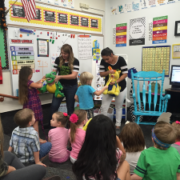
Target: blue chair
x,y
150,76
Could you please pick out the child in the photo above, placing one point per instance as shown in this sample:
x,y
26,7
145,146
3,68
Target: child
x,y
59,138
85,94
12,168
78,119
25,141
176,125
133,141
28,96
99,156
161,161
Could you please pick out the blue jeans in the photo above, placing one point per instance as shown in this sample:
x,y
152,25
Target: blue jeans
x,y
44,149
69,92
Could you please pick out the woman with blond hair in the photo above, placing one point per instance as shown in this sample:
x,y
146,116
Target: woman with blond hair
x,y
67,67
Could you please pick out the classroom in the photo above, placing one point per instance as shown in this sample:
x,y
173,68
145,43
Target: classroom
x,y
89,89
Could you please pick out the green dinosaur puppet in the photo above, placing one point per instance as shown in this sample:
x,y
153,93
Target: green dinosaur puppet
x,y
51,86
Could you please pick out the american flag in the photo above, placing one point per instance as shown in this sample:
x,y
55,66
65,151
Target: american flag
x,y
29,8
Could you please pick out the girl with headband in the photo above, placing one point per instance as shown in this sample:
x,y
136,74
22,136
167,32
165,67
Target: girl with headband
x,y
59,138
76,133
161,161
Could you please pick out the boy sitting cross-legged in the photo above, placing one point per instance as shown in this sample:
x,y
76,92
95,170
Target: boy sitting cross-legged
x,y
25,140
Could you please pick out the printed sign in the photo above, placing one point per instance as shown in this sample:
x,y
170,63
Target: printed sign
x,y
160,29
75,20
94,23
121,32
63,18
49,16
137,31
84,22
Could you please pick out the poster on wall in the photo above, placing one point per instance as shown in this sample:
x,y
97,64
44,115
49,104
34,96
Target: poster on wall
x,y
135,5
21,56
144,4
156,59
121,34
160,29
42,48
137,31
162,2
121,8
128,7
84,47
152,3
96,51
114,10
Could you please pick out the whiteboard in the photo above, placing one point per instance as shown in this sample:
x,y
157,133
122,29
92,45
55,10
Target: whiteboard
x,y
43,65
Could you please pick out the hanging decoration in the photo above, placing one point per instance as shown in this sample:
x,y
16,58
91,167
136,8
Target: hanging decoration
x,y
2,15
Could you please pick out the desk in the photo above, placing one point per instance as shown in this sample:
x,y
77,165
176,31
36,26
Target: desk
x,y
174,102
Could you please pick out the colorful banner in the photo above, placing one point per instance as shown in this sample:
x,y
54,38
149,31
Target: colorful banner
x,y
137,31
56,18
121,35
160,25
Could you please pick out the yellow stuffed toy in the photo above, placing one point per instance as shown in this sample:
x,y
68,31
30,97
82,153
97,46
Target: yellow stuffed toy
x,y
113,89
86,125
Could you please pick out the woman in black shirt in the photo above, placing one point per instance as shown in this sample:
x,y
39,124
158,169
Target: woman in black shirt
x,y
117,63
67,67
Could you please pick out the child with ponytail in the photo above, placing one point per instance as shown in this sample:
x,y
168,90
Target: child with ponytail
x,y
59,138
76,133
28,96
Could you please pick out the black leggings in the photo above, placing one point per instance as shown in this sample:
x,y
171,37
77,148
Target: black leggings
x,y
33,172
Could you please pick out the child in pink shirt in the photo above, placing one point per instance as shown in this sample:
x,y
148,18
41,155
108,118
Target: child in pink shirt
x,y
76,133
59,138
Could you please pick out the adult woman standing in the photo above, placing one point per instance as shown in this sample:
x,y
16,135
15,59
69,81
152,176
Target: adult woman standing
x,y
67,67
117,63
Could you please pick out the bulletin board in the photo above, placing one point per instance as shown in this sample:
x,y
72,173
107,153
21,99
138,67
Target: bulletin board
x,y
55,17
24,51
156,58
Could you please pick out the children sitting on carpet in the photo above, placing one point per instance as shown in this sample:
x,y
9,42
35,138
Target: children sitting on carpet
x,y
161,161
99,156
176,125
25,140
59,138
85,94
133,141
76,134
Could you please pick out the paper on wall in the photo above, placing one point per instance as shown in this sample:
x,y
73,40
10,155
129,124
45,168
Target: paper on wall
x,y
128,7
144,4
84,47
135,5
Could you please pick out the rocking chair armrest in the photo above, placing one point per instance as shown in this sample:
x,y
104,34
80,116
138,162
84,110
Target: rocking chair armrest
x,y
167,96
134,95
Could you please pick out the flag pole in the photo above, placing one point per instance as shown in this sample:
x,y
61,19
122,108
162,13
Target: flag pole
x,y
10,8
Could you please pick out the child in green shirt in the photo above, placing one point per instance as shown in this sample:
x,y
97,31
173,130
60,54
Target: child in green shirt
x,y
161,161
